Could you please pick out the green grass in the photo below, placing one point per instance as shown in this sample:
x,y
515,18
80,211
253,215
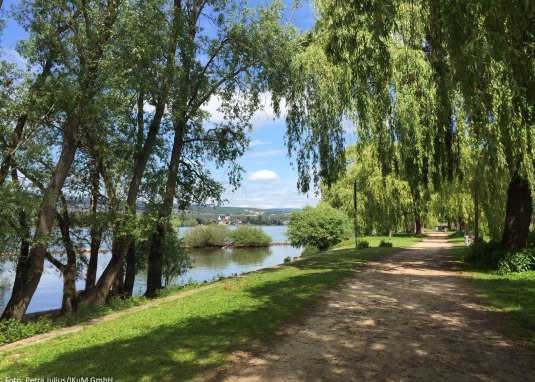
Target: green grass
x,y
181,339
456,238
511,296
398,240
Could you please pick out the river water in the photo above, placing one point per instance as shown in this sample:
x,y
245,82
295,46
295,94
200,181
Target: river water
x,y
208,264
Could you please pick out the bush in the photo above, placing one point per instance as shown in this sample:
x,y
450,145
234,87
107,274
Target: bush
x,y
385,244
15,330
212,235
363,244
485,254
287,259
321,227
245,236
310,250
518,261
176,260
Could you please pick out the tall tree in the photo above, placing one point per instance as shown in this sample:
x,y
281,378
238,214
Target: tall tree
x,y
232,62
84,43
146,141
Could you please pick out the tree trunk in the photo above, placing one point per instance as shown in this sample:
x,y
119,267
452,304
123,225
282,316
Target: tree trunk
x,y
476,218
117,288
449,223
518,214
418,223
462,224
69,271
95,230
30,268
130,273
154,273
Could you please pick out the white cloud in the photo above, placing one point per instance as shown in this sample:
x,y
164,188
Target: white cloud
x,y
11,55
266,154
212,106
263,175
262,117
258,142
148,108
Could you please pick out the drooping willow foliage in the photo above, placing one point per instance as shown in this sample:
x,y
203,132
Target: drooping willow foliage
x,y
433,85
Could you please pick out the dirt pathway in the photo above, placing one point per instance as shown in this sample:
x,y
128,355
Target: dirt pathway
x,y
410,317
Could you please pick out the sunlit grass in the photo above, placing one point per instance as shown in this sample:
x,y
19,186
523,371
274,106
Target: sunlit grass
x,y
397,240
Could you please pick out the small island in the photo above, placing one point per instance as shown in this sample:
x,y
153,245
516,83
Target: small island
x,y
220,236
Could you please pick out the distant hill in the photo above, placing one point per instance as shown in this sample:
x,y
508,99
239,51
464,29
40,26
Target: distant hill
x,y
240,210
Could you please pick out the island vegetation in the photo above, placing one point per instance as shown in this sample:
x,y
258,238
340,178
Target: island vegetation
x,y
216,235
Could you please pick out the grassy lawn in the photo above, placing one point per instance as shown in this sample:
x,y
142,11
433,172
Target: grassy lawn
x,y
456,238
398,240
511,296
181,339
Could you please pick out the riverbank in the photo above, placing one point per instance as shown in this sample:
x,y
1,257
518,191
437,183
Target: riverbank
x,y
183,338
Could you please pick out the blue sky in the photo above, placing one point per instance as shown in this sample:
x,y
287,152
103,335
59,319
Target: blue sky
x,y
269,180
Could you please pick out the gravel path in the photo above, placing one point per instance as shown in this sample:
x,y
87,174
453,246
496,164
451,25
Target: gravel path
x,y
410,317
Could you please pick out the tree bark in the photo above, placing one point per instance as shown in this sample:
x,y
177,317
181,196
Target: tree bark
x,y
69,270
117,288
518,214
95,230
418,223
154,273
130,273
476,218
462,224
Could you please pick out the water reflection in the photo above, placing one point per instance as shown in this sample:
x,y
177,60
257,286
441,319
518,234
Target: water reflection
x,y
220,258
208,264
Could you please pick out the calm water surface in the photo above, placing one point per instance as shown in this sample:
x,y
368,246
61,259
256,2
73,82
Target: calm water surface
x,y
208,264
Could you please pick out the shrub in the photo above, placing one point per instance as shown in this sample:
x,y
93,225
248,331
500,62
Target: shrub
x,y
212,235
483,253
518,261
245,236
176,260
15,330
321,227
287,259
310,250
385,244
363,244
118,303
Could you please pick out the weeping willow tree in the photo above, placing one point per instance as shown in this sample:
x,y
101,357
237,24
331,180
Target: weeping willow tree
x,y
385,203
419,76
316,95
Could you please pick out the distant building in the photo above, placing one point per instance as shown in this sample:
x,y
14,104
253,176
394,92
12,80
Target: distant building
x,y
223,219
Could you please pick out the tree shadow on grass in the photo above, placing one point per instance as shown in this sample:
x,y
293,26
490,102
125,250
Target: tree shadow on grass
x,y
180,349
